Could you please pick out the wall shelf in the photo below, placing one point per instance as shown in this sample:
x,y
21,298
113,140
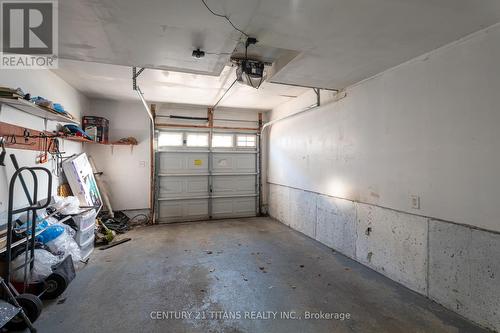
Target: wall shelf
x,y
83,140
39,111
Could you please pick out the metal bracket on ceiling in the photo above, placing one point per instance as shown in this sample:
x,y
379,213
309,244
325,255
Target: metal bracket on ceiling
x,y
135,75
135,86
318,95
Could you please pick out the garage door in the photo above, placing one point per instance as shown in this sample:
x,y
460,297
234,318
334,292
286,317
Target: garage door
x,y
203,175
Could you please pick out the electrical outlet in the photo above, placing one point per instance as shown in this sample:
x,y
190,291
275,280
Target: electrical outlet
x,y
415,201
142,164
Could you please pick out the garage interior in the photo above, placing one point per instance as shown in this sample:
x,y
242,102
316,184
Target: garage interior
x,y
279,166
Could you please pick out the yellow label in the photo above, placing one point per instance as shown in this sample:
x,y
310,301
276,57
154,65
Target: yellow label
x,y
197,162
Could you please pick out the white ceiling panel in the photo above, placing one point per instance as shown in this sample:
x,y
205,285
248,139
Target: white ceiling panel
x,y
115,82
339,42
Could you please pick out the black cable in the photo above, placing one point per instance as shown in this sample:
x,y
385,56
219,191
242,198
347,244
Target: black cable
x,y
225,17
144,220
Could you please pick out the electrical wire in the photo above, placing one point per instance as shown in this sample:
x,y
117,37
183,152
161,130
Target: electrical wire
x,y
144,219
225,17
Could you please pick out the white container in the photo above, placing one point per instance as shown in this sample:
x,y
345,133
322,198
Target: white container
x,y
87,248
82,236
83,221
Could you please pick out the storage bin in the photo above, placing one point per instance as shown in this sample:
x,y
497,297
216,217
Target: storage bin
x,y
101,126
83,221
87,248
82,236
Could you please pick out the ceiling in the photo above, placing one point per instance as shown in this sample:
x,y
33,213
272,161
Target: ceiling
x,y
114,82
338,42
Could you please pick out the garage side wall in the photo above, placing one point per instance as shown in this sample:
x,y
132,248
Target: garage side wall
x,y
126,170
455,265
39,83
401,174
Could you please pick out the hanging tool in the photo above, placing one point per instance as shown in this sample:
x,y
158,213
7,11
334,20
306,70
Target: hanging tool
x,y
3,152
57,156
43,157
26,135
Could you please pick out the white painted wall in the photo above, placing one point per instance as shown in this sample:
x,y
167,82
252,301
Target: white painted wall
x,y
126,169
38,83
429,127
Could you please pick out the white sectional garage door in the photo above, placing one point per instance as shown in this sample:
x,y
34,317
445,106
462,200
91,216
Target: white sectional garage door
x,y
199,178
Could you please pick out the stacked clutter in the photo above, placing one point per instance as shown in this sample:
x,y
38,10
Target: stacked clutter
x,y
11,93
64,231
7,92
82,223
109,226
85,227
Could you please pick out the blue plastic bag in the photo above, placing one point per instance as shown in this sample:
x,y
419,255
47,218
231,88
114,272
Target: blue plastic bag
x,y
40,225
50,233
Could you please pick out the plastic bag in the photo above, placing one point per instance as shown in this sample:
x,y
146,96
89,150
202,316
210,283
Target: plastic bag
x,y
51,233
69,230
26,226
67,205
51,220
42,267
65,245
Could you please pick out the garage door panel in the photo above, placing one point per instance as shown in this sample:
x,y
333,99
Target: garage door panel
x,y
185,186
183,210
226,162
186,173
197,186
183,163
233,207
233,185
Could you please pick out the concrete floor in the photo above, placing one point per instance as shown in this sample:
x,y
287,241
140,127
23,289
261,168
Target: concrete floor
x,y
236,266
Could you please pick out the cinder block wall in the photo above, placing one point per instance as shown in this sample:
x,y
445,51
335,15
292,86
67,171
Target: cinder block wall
x,y
401,173
456,265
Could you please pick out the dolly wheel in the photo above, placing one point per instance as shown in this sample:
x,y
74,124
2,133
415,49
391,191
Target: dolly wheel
x,y
56,284
32,307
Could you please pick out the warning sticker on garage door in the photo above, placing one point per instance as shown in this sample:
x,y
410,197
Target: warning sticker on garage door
x,y
198,162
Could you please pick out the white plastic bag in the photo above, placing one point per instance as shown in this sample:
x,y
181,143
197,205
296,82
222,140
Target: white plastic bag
x,y
67,205
69,230
44,260
65,245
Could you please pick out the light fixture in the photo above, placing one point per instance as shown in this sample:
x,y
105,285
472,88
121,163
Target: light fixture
x,y
198,53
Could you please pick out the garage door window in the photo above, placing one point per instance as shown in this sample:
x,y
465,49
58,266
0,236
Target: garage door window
x,y
222,141
245,141
197,140
170,139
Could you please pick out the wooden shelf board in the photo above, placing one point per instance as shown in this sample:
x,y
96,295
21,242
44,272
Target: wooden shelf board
x,y
83,140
